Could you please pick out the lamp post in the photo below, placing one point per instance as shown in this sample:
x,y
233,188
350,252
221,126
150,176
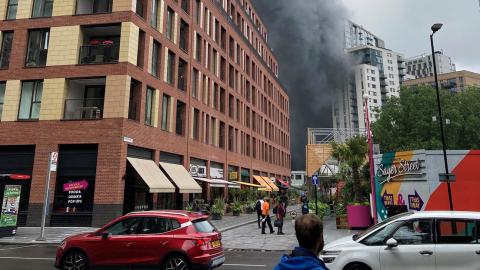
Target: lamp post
x,y
435,29
370,158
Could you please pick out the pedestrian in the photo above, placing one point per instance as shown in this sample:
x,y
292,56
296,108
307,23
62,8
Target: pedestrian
x,y
305,208
258,208
266,216
309,233
281,212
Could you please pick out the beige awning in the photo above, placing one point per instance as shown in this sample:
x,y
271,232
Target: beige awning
x,y
270,183
152,175
181,177
213,182
262,182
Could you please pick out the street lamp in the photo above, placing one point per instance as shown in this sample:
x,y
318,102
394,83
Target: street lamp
x,y
370,158
435,29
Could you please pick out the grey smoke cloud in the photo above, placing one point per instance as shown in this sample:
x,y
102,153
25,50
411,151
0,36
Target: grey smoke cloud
x,y
307,38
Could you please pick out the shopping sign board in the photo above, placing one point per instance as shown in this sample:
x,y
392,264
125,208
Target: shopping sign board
x,y
10,205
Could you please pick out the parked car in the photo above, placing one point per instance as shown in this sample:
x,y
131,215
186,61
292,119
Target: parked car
x,y
167,240
422,240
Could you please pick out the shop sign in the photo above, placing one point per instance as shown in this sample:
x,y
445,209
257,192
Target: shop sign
x,y
415,202
216,173
198,171
387,199
10,206
400,168
233,175
79,185
74,194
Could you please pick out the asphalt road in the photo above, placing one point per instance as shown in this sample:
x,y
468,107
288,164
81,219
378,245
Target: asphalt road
x,y
42,258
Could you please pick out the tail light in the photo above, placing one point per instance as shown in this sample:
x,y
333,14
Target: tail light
x,y
203,242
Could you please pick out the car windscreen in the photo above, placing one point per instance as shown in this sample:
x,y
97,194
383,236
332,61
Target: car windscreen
x,y
378,225
204,226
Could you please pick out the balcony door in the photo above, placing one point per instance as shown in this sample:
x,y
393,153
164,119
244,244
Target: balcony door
x,y
93,101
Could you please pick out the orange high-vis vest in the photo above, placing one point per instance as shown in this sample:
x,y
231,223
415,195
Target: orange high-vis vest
x,y
266,208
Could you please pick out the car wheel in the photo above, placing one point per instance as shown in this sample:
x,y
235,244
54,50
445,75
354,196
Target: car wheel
x,y
356,266
75,260
176,262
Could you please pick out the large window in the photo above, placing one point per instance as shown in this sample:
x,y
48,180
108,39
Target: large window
x,y
170,23
180,119
37,48
5,49
165,112
12,9
182,74
149,106
186,6
155,59
184,29
140,8
198,11
2,95
93,6
30,100
170,67
195,84
42,8
198,49
154,18
196,124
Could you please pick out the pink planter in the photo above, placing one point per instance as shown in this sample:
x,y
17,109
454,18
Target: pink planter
x,y
359,216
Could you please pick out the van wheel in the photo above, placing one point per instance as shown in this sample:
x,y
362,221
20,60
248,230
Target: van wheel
x,y
176,262
356,266
75,260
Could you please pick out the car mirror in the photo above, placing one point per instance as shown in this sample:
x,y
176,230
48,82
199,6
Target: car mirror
x,y
105,235
391,243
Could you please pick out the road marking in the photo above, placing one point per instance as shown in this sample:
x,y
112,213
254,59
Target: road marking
x,y
245,265
26,258
12,248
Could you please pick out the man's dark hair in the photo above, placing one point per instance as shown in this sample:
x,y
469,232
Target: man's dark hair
x,y
308,229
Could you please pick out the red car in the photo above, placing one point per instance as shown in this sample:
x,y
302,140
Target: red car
x,y
167,240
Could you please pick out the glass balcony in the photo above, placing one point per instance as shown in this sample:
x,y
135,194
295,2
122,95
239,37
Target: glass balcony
x,y
99,54
83,109
93,6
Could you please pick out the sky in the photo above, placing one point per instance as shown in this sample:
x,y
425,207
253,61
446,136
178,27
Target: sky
x,y
404,25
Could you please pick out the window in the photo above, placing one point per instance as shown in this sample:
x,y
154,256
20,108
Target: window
x,y
203,226
180,120
221,142
12,9
134,100
141,49
214,62
170,66
154,225
125,227
155,58
165,112
42,8
37,48
196,124
231,104
149,106
457,232
414,232
154,18
2,95
170,23
182,73
198,11
184,29
222,100
30,100
231,139
186,6
198,50
195,83
5,49
140,8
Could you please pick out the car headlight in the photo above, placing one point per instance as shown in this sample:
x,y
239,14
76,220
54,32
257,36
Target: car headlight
x,y
328,256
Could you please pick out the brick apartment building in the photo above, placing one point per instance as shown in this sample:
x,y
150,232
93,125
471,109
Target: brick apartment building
x,y
126,91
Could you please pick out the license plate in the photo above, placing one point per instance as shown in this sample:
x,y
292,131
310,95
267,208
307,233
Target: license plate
x,y
216,244
218,261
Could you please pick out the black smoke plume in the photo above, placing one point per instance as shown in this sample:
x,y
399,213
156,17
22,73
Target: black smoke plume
x,y
307,37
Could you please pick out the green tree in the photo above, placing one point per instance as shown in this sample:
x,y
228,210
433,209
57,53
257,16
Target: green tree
x,y
406,123
352,155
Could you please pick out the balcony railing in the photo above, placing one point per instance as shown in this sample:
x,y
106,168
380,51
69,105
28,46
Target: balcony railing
x,y
83,109
99,54
93,6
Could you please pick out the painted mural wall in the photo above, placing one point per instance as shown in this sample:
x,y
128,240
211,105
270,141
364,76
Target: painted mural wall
x,y
411,179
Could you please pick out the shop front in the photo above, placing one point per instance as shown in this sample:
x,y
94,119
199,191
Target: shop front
x,y
187,189
409,181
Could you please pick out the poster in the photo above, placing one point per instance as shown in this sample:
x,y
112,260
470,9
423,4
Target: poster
x,y
10,206
74,194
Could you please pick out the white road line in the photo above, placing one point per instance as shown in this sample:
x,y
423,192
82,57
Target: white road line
x,y
27,258
12,248
245,265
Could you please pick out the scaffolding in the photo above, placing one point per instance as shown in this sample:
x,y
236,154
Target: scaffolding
x,y
327,135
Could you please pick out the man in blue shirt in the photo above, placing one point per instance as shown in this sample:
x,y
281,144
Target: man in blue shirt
x,y
309,232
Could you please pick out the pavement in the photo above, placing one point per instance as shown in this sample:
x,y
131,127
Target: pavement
x,y
42,257
55,235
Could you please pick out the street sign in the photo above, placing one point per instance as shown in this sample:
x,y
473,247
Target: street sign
x,y
444,177
53,161
315,180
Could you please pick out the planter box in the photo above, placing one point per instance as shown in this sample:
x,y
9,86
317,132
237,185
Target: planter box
x,y
359,216
342,222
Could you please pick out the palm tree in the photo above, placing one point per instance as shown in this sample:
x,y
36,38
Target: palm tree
x,y
353,154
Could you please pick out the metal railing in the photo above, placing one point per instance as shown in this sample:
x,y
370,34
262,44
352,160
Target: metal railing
x,y
99,54
83,109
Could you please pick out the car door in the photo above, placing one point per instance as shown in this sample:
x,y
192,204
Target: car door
x,y
118,248
458,246
156,239
415,249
